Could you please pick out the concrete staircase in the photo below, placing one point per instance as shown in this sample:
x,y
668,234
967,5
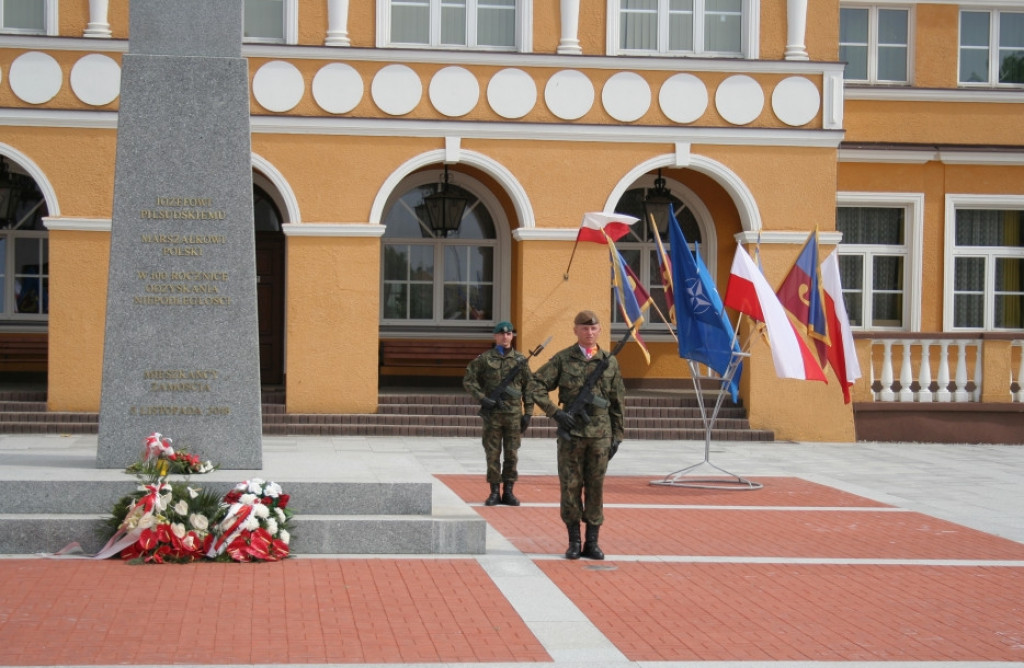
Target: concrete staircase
x,y
652,415
44,515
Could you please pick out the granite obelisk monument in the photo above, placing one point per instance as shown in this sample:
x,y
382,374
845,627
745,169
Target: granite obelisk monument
x,y
181,353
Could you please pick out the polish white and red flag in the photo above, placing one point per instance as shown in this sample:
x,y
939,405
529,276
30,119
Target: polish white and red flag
x,y
748,292
599,227
842,355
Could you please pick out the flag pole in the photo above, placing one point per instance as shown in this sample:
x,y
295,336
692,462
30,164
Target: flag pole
x,y
565,276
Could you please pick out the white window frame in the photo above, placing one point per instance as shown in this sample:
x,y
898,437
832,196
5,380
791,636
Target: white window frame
x,y
8,315
749,35
501,296
290,20
50,23
873,44
523,38
993,45
911,249
959,201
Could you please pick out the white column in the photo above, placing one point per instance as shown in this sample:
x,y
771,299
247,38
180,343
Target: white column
x,y
337,23
570,16
98,26
796,30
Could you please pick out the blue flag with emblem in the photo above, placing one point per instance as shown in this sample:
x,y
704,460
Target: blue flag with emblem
x,y
704,331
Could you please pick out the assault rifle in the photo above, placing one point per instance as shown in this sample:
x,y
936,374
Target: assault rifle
x,y
494,400
577,410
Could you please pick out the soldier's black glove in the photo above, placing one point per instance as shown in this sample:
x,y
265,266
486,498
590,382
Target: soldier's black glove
x,y
564,420
488,404
614,449
524,422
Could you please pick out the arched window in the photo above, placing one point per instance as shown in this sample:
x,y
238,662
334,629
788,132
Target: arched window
x,y
430,281
24,248
641,252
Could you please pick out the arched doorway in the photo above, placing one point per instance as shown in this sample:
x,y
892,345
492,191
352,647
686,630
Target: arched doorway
x,y
24,250
640,249
269,284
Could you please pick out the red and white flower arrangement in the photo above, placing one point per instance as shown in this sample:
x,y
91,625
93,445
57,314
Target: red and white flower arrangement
x,y
160,458
254,523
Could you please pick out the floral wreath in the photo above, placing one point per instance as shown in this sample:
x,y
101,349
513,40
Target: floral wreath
x,y
160,459
173,522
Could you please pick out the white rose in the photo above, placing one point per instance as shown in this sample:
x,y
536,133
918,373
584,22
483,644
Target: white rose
x,y
252,523
271,526
272,490
285,537
199,522
261,511
181,507
281,517
256,486
178,529
247,499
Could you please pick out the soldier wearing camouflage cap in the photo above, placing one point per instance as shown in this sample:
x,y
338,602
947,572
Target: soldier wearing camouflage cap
x,y
583,458
505,418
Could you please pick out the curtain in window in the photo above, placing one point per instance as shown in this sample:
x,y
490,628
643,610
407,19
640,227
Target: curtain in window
x,y
638,24
723,26
496,23
28,15
264,19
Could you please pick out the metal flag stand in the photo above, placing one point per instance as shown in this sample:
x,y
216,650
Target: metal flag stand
x,y
682,477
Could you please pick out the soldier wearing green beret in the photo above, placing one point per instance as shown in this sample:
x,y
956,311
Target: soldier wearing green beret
x,y
583,458
506,417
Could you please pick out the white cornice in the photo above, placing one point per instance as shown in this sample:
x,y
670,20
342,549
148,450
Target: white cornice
x,y
1015,158
883,94
901,156
386,127
546,131
332,230
545,234
77,224
41,43
788,238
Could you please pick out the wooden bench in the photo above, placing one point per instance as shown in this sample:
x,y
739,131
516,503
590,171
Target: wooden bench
x,y
431,354
23,351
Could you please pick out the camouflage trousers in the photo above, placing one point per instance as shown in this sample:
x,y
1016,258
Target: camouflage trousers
x,y
582,463
501,435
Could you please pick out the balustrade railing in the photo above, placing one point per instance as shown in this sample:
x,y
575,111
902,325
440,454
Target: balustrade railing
x,y
945,368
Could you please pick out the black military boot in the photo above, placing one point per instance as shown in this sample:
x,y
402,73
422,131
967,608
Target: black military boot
x,y
508,498
495,497
574,541
590,547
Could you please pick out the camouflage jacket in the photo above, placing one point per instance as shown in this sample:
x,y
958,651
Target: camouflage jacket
x,y
568,370
487,371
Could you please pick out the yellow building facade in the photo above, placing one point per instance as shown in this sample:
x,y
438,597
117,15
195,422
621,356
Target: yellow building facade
x,y
872,123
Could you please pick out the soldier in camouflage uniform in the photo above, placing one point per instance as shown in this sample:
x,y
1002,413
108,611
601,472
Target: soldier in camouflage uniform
x,y
583,459
506,418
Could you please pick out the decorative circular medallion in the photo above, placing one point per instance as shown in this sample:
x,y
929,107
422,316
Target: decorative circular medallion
x,y
683,98
337,88
569,94
396,89
626,96
511,93
96,79
454,91
278,86
739,99
35,77
796,101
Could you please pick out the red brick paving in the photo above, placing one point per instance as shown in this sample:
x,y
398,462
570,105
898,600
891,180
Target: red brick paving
x,y
298,611
395,610
777,491
785,612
